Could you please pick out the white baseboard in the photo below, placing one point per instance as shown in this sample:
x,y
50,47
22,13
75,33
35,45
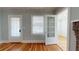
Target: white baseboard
x,y
33,41
25,41
4,41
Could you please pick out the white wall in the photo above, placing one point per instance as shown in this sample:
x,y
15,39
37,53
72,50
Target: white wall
x,y
26,14
62,29
62,18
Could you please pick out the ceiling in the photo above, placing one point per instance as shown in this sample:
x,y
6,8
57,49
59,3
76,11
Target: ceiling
x,y
30,8
36,8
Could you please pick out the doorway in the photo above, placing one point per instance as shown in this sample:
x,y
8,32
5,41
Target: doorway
x,y
15,28
50,30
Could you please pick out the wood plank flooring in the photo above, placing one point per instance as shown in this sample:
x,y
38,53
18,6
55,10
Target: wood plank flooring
x,y
28,47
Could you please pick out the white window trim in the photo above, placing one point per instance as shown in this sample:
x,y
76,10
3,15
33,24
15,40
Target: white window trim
x,y
32,25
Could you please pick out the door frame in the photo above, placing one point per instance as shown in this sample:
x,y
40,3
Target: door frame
x,y
9,36
46,29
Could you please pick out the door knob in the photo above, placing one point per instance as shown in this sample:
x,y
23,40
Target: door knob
x,y
20,30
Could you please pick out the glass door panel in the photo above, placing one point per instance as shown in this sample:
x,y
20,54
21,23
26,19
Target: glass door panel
x,y
15,24
15,27
50,29
51,26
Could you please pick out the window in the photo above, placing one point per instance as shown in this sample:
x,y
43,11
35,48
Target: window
x,y
37,24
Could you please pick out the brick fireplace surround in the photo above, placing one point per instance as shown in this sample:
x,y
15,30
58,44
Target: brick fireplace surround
x,y
76,30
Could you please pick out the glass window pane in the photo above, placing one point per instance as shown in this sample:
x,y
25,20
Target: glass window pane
x,y
38,25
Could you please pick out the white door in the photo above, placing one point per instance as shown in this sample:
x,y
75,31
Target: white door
x,y
15,31
50,30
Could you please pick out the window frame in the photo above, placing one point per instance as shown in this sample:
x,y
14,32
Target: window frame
x,y
32,25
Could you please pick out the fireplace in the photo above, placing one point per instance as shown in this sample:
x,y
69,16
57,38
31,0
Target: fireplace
x,y
76,30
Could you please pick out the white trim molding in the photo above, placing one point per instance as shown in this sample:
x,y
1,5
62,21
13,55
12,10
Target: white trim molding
x,y
75,20
33,41
25,41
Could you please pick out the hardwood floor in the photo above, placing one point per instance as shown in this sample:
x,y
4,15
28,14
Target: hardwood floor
x,y
28,47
